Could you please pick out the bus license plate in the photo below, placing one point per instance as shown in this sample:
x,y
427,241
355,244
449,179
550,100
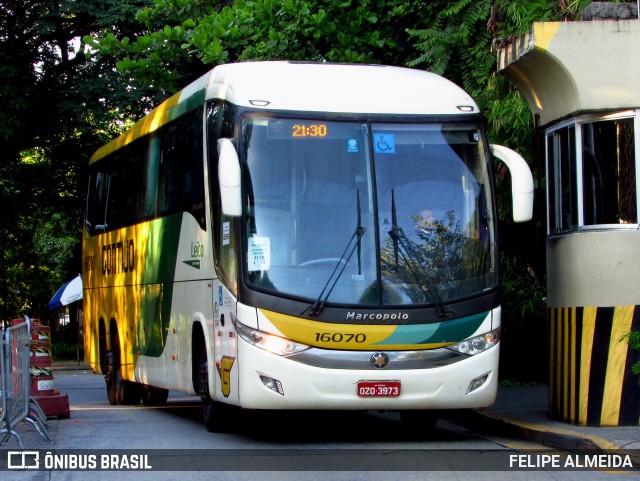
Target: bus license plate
x,y
379,388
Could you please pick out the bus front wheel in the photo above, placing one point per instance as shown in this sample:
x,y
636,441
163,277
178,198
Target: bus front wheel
x,y
216,415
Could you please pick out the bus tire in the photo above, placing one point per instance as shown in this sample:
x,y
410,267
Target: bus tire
x,y
421,419
120,391
217,416
154,396
102,348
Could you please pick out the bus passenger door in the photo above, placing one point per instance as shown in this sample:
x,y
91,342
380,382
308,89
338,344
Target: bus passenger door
x,y
225,347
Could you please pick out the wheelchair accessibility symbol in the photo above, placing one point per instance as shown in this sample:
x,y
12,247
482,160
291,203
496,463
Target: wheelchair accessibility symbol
x,y
384,143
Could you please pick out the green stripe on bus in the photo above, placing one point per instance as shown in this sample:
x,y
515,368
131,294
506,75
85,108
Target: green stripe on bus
x,y
451,331
157,285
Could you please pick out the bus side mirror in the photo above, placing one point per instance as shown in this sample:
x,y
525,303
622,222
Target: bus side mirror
x,y
521,182
229,178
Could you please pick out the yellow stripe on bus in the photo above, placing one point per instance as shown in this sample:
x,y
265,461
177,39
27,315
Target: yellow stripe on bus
x,y
117,291
149,123
357,337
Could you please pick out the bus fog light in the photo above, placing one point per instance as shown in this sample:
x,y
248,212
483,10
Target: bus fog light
x,y
476,345
273,384
476,383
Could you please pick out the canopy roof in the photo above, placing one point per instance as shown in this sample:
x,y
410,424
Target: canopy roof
x,y
567,68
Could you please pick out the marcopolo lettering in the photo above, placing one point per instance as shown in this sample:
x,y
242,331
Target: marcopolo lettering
x,y
376,316
118,257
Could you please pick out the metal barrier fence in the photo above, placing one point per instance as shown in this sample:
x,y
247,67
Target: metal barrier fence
x,y
4,395
15,383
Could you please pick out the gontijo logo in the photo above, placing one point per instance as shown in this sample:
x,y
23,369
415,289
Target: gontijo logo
x,y
118,257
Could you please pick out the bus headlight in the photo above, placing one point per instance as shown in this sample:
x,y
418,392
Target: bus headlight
x,y
476,345
269,342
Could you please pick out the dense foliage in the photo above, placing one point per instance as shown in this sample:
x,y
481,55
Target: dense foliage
x,y
56,106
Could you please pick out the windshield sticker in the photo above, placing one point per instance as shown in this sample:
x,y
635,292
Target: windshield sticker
x,y
384,143
352,146
226,233
259,256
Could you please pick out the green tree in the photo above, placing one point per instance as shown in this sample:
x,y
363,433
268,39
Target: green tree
x,y
53,114
184,38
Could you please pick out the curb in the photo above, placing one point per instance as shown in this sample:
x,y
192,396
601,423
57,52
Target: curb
x,y
70,366
546,435
553,437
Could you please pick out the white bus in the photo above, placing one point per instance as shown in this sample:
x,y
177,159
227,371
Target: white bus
x,y
294,235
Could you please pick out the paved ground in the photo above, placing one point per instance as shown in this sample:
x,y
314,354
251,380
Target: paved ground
x,y
522,412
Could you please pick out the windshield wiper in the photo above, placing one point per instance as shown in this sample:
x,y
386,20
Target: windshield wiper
x,y
402,246
354,243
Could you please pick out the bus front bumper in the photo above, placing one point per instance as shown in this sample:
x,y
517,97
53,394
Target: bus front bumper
x,y
269,381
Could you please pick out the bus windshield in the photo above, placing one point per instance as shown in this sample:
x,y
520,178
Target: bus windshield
x,y
367,214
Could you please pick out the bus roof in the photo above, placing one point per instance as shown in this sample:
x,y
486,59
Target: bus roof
x,y
309,87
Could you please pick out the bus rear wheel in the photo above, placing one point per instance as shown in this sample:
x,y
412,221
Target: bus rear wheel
x,y
154,396
119,391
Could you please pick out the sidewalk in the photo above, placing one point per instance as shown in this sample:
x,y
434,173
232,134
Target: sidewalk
x,y
522,412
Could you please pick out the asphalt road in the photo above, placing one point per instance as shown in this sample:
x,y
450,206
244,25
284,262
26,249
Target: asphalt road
x,y
286,446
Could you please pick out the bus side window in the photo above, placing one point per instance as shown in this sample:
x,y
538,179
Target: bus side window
x,y
116,202
181,179
149,195
136,184
97,192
